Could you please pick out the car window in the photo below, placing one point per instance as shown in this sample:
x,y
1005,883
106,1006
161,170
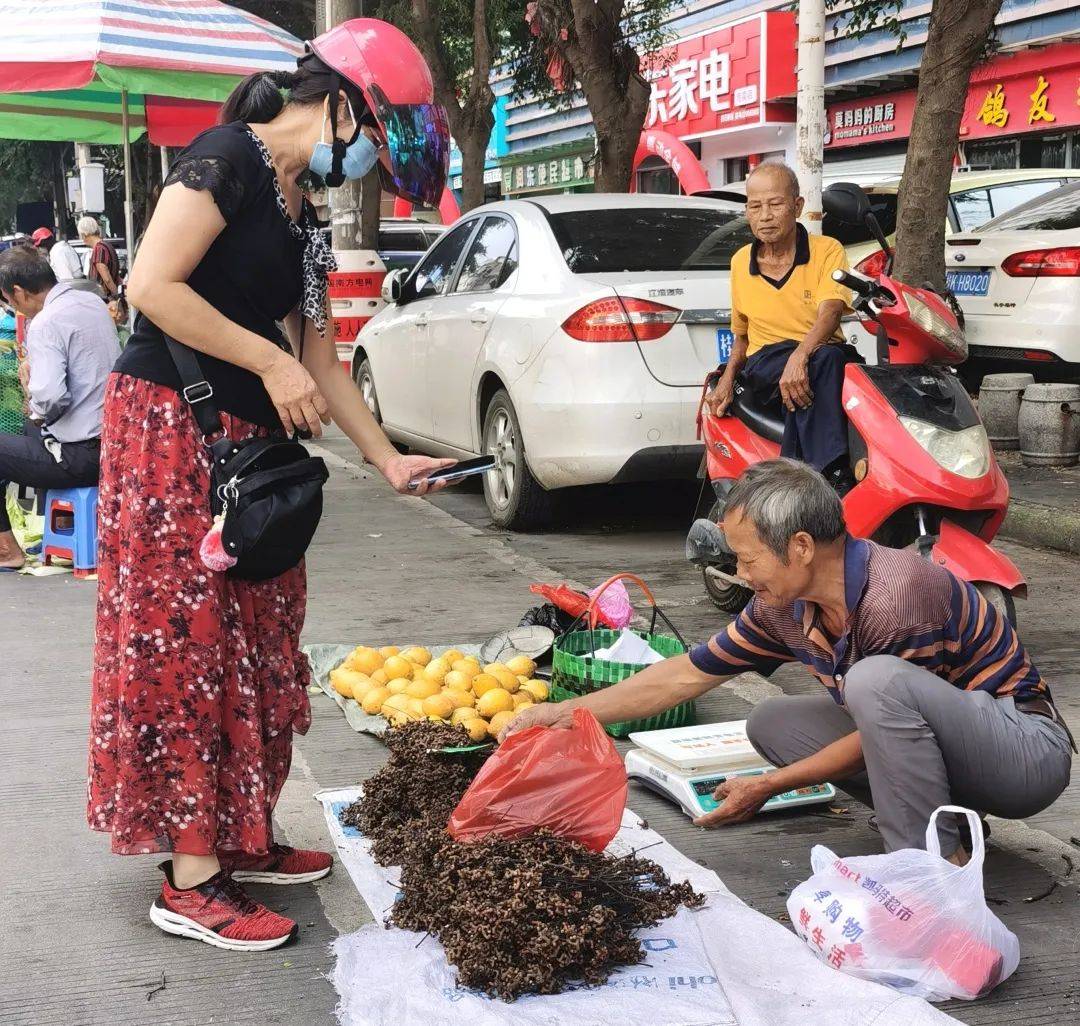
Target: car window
x,y
649,239
883,205
433,274
411,240
491,259
1004,198
433,235
972,208
1053,211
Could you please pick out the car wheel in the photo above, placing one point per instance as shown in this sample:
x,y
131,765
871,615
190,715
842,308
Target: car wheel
x,y
731,598
514,497
365,381
999,598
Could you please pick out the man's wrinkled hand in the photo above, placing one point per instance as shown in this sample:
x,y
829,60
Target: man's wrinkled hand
x,y
795,381
546,714
719,399
740,798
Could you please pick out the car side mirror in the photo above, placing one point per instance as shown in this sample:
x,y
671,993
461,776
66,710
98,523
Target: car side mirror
x,y
393,284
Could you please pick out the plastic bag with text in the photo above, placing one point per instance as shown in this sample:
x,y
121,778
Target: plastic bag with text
x,y
908,919
571,782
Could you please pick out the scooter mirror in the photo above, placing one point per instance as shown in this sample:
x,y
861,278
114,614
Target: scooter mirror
x,y
847,202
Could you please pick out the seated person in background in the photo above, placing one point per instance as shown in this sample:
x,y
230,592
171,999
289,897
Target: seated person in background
x,y
930,699
785,315
71,347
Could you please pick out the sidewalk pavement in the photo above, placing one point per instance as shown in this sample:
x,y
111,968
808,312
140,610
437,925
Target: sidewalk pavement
x,y
1044,504
75,941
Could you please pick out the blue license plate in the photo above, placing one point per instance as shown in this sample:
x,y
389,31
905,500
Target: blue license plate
x,y
725,339
968,283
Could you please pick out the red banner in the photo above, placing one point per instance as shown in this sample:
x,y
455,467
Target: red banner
x,y
720,79
1031,91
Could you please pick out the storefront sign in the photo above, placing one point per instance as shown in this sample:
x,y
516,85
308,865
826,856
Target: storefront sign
x,y
1024,92
721,79
557,172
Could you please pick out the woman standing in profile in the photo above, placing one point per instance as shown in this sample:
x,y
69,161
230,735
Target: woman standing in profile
x,y
199,682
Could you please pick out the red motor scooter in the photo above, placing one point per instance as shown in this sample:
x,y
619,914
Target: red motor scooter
x,y
925,474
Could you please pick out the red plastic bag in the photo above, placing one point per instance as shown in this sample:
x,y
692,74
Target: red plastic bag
x,y
571,782
568,600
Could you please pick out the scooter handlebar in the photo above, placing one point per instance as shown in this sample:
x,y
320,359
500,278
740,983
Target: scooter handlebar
x,y
855,281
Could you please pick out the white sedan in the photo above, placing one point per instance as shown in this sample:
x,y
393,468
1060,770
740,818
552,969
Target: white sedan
x,y
568,335
1017,279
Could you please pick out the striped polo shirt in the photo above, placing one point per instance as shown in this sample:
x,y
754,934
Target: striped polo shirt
x,y
898,604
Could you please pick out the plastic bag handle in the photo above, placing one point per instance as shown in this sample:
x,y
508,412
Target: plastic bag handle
x,y
595,597
978,846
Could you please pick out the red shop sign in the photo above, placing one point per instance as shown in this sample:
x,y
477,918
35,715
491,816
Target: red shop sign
x,y
1031,91
726,78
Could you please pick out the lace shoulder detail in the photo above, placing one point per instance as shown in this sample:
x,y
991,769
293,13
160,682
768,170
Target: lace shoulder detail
x,y
213,174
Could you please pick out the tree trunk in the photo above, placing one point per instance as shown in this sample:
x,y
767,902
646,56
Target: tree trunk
x,y
616,143
959,30
345,202
473,147
59,188
370,209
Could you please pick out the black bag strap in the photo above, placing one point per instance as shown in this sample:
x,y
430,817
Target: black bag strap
x,y
196,391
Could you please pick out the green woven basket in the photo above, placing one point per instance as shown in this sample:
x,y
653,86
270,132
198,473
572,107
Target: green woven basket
x,y
576,673
11,395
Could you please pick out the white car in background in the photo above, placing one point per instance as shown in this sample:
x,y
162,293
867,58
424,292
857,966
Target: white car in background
x,y
569,335
1017,279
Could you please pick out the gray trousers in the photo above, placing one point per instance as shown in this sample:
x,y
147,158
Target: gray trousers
x,y
925,744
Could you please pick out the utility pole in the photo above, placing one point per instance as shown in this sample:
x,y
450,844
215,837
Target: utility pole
x,y
810,110
345,201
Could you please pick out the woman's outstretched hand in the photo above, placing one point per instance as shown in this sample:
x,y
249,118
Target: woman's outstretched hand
x,y
400,470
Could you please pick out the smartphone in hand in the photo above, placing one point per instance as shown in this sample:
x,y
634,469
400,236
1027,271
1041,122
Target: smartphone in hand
x,y
459,471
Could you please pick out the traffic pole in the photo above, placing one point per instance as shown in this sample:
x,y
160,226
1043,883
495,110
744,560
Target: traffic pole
x,y
345,200
810,110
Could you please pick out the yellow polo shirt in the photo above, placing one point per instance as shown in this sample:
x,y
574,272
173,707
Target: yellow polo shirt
x,y
768,311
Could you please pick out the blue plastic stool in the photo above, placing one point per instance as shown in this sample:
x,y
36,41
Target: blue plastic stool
x,y
77,542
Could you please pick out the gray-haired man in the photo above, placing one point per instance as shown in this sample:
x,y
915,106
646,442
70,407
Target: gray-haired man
x,y
930,698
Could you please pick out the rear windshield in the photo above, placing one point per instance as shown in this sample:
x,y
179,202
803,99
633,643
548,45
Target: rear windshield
x,y
1053,211
649,239
883,204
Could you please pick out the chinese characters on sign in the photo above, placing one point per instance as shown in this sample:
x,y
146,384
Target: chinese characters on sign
x,y
1037,111
692,81
993,111
868,119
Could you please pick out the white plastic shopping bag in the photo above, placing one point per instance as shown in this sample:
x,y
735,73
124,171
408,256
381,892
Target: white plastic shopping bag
x,y
630,648
909,919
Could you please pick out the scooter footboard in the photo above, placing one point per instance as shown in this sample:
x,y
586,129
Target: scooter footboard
x,y
971,559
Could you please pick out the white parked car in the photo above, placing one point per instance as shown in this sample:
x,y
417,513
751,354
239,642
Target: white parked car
x,y
1017,279
569,335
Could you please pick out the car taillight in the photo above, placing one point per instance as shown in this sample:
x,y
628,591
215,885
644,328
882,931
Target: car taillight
x,y
620,320
1063,262
873,266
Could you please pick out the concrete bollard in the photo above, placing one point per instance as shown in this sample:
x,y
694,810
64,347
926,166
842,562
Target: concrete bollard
x,y
999,407
1049,425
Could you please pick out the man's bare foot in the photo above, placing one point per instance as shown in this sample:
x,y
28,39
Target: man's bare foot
x,y
11,556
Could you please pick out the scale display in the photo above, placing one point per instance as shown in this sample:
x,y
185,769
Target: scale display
x,y
687,764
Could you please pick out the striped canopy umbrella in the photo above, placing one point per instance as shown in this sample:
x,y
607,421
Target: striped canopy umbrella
x,y
103,71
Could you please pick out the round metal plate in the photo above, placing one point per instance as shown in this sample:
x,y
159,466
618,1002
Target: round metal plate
x,y
527,641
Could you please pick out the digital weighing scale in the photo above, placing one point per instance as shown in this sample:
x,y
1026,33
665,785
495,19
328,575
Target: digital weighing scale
x,y
686,764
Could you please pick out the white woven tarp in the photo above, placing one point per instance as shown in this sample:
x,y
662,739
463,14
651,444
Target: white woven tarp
x,y
721,965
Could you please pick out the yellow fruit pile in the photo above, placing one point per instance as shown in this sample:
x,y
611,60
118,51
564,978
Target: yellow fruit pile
x,y
454,688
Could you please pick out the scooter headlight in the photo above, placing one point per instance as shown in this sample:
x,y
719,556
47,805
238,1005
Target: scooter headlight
x,y
930,320
965,452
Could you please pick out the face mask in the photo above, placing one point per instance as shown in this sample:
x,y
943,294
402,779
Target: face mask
x,y
359,159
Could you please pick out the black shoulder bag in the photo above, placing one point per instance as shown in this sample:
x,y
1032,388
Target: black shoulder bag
x,y
269,490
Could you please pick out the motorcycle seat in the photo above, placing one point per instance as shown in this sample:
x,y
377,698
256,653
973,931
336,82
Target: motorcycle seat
x,y
765,419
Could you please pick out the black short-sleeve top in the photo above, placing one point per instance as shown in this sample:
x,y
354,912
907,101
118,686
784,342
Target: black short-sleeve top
x,y
262,266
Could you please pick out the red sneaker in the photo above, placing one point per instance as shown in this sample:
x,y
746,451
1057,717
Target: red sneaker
x,y
219,912
282,865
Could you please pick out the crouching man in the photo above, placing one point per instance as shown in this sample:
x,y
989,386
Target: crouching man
x,y
930,698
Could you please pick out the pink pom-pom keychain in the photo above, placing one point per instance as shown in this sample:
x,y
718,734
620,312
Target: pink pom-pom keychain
x,y
211,549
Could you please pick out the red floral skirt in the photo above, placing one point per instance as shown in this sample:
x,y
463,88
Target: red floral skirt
x,y
199,681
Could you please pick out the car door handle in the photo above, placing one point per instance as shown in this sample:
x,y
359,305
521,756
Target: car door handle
x,y
422,321
480,318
